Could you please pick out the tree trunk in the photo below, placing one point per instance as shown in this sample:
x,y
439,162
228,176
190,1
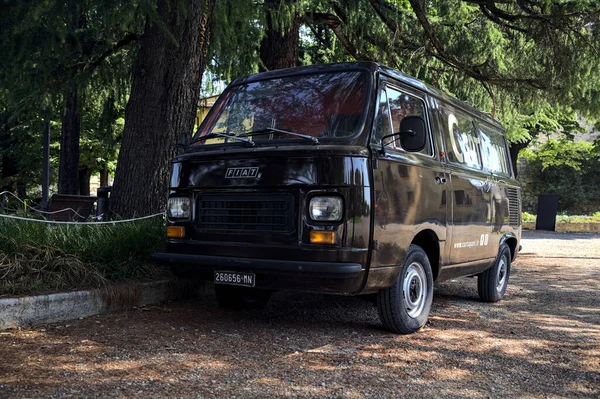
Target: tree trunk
x,y
68,167
103,177
84,181
8,163
514,149
279,47
162,104
21,190
69,145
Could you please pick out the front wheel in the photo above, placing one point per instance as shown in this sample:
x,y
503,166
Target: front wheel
x,y
491,284
404,307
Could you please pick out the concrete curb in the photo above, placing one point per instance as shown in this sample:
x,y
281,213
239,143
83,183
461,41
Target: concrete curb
x,y
25,311
568,227
578,227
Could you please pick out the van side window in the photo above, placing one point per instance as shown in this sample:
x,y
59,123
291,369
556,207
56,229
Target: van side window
x,y
462,142
493,151
382,122
401,106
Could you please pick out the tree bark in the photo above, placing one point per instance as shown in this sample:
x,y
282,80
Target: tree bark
x,y
162,104
514,149
68,167
103,177
21,189
84,181
8,163
69,145
279,47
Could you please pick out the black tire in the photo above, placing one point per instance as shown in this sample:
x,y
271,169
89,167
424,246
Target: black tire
x,y
237,298
397,310
492,283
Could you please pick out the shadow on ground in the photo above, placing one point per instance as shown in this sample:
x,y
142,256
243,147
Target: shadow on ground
x,y
542,340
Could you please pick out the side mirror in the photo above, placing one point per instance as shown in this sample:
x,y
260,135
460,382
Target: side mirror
x,y
413,133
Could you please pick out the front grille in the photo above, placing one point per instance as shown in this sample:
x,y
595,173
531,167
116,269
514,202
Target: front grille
x,y
245,212
514,207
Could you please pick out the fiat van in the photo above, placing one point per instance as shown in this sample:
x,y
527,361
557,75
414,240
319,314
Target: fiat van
x,y
349,179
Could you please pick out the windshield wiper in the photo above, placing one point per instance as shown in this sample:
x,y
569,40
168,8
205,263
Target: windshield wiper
x,y
274,130
213,135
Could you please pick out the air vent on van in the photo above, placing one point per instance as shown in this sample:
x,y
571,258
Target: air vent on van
x,y
245,212
514,206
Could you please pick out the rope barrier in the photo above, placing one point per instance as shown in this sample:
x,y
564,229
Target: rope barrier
x,y
40,211
70,209
81,223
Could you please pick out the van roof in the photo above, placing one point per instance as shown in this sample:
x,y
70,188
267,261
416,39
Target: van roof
x,y
373,67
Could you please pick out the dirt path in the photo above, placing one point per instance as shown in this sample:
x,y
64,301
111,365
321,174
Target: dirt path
x,y
542,341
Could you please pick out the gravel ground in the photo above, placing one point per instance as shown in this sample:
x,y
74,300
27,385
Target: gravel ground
x,y
541,341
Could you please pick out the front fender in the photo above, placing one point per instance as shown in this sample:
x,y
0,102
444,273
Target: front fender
x,y
512,241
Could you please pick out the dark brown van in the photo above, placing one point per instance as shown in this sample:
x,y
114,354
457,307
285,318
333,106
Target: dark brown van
x,y
348,179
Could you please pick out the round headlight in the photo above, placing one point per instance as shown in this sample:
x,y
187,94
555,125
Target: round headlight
x,y
179,208
326,209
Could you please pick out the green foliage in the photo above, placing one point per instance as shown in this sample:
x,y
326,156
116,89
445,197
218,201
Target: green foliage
x,y
527,217
51,47
595,218
102,128
566,168
533,65
561,153
235,41
36,257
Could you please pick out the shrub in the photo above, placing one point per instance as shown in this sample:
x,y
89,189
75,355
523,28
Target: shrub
x,y
527,217
37,257
566,168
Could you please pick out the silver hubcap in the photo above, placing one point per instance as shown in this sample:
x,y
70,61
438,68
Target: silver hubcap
x,y
414,289
501,274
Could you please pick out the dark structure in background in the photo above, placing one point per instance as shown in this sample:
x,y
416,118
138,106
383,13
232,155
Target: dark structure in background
x,y
547,210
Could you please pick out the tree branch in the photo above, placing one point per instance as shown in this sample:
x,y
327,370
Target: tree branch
x,y
491,93
91,65
449,59
530,14
129,38
335,24
494,18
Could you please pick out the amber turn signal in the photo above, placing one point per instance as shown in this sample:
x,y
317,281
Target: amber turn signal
x,y
175,231
322,237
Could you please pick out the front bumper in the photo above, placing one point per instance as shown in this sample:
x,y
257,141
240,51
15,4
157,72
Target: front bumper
x,y
332,277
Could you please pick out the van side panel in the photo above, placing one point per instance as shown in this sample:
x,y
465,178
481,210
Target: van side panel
x,y
481,214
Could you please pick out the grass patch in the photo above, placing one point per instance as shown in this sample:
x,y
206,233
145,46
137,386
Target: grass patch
x,y
595,218
39,257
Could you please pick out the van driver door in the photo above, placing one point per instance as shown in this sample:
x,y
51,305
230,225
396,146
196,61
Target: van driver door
x,y
410,188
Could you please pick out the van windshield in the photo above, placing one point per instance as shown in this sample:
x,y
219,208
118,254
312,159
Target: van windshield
x,y
309,108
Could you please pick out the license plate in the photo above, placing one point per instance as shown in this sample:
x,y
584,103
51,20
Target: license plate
x,y
235,278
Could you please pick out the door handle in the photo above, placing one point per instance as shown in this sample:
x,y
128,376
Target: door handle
x,y
440,180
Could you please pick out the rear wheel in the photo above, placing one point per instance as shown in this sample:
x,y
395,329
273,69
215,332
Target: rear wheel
x,y
235,297
404,307
492,283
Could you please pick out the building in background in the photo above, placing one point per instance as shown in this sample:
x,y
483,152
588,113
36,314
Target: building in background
x,y
204,105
